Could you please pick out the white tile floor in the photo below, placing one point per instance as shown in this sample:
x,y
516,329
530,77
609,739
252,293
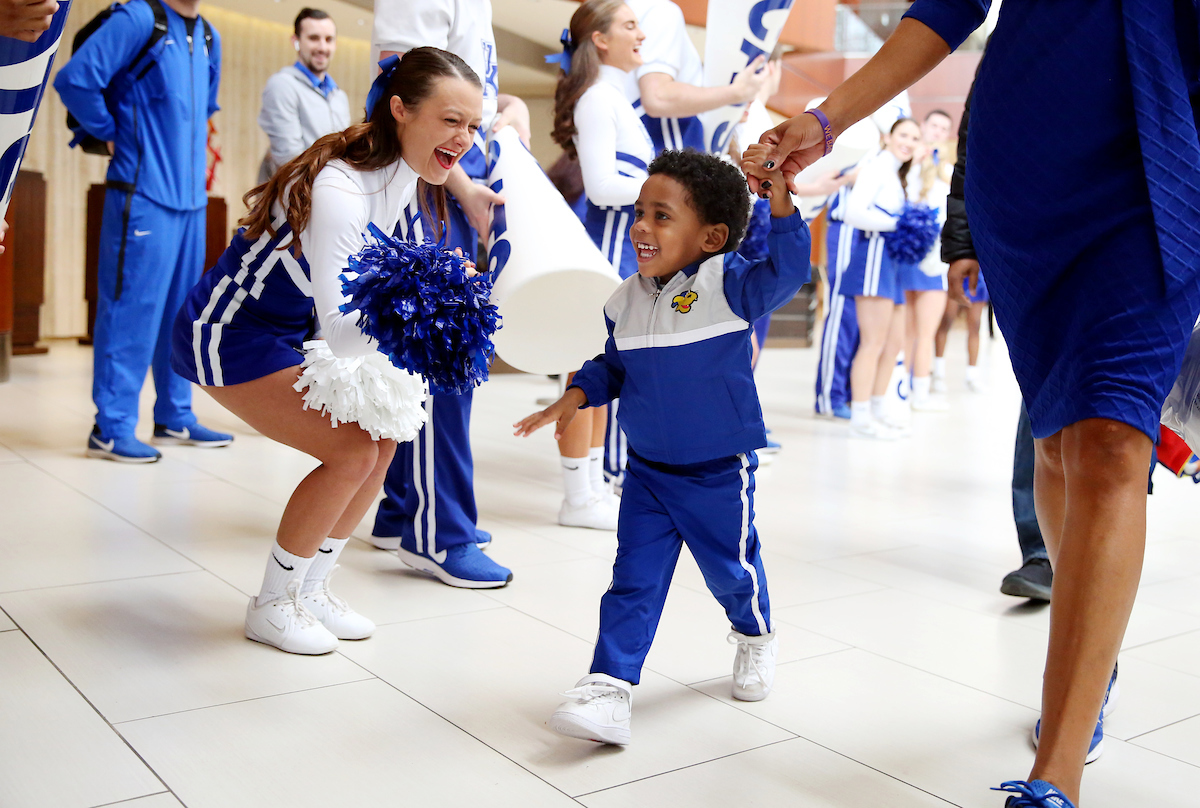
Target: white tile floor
x,y
906,679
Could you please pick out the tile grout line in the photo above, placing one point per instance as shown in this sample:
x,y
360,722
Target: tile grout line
x,y
128,721
133,799
89,703
463,730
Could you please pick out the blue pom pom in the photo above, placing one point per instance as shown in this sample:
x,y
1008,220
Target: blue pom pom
x,y
754,245
427,315
916,231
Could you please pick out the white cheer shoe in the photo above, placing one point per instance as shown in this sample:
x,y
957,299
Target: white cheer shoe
x,y
335,614
597,513
287,624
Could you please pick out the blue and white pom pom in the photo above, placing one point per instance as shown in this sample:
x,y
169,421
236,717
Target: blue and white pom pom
x,y
370,391
916,231
754,244
427,315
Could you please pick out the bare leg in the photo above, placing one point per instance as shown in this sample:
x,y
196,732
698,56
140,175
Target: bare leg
x,y
891,349
910,329
948,318
336,494
1090,492
599,426
874,322
927,310
974,320
577,436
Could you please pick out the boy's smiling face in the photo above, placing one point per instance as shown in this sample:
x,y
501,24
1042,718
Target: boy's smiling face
x,y
667,233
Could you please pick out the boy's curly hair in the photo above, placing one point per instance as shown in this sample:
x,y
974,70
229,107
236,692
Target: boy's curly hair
x,y
716,190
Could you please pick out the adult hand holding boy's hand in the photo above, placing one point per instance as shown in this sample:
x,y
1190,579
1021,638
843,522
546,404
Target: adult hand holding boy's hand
x,y
772,184
562,411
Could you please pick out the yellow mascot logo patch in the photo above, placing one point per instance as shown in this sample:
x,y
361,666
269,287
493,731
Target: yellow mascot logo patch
x,y
683,303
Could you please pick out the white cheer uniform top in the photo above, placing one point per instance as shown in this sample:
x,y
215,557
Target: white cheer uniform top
x,y
667,49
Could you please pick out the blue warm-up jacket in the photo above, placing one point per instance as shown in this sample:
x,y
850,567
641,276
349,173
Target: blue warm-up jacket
x,y
678,356
158,120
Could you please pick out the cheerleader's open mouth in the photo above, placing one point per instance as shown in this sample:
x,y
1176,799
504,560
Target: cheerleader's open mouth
x,y
445,157
645,252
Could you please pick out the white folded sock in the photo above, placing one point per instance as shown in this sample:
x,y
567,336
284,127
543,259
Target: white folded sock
x,y
322,564
596,468
282,569
860,413
577,484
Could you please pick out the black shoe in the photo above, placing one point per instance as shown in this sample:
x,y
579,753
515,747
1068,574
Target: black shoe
x,y
1031,581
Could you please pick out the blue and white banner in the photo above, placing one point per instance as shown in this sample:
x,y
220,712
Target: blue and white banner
x,y
24,74
738,31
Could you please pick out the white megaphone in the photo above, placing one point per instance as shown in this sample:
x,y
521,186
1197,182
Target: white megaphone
x,y
851,146
552,282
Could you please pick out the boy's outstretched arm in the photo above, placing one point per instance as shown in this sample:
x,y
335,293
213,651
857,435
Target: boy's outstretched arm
x,y
562,411
755,288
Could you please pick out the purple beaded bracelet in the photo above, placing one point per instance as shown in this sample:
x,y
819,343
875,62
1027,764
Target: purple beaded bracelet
x,y
826,129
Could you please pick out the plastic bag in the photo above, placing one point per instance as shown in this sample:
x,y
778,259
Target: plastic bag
x,y
1181,410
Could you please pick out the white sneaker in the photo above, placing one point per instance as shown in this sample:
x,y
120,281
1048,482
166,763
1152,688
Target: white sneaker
x,y
872,430
288,625
753,665
930,404
596,513
938,385
335,614
598,710
976,386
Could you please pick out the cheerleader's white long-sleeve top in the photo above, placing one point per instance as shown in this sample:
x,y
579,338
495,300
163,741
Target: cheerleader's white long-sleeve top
x,y
613,145
877,197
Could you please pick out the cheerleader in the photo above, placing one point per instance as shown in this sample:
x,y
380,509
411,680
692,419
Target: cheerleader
x,y
594,121
872,278
977,302
925,283
428,515
240,331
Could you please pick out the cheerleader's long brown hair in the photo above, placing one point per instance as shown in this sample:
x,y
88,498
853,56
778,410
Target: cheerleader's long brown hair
x,y
594,16
370,145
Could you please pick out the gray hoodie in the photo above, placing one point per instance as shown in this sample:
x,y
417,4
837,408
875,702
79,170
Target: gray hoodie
x,y
295,114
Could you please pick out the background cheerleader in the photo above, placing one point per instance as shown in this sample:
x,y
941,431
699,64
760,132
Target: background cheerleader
x,y
594,121
873,279
240,330
925,283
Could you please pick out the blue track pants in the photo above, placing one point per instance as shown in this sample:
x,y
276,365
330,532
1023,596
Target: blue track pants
x,y
150,257
839,335
710,507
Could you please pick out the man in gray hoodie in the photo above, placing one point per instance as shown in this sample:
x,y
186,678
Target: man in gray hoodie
x,y
302,102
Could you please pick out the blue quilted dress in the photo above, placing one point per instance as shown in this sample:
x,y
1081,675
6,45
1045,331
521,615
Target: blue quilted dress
x,y
1083,196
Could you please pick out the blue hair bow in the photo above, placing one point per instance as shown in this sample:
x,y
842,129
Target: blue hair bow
x,y
568,47
379,86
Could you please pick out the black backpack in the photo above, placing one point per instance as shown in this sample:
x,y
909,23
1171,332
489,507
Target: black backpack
x,y
132,72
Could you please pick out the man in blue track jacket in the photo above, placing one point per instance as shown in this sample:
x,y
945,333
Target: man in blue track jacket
x,y
152,108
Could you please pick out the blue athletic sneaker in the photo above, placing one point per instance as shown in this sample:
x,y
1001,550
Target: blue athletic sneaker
x,y
482,538
122,450
462,565
1037,794
194,435
1096,747
842,411
772,447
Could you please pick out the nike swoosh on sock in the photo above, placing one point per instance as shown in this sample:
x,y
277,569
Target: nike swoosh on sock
x,y
280,563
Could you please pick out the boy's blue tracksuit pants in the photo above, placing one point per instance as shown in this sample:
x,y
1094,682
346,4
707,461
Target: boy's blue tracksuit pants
x,y
710,507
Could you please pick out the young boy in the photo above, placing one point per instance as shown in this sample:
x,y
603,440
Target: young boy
x,y
678,356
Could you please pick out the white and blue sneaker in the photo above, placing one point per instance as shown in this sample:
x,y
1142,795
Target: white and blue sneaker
x,y
483,539
123,450
1096,747
842,411
194,435
1035,794
461,565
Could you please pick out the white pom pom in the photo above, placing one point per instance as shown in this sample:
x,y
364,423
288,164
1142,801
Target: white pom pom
x,y
366,390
